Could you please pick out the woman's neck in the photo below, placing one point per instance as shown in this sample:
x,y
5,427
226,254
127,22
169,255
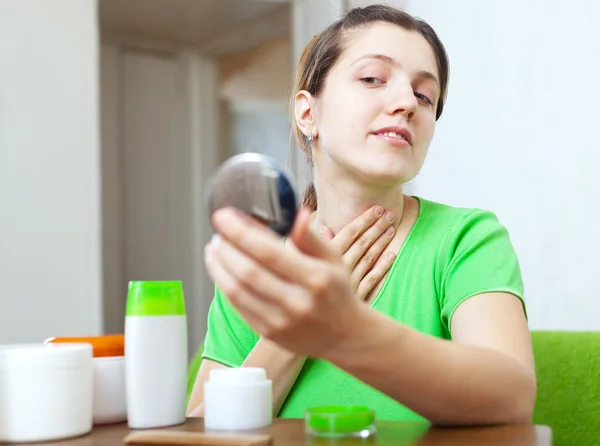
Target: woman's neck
x,y
341,202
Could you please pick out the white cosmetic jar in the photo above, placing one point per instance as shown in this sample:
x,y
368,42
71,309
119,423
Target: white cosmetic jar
x,y
110,405
237,399
45,392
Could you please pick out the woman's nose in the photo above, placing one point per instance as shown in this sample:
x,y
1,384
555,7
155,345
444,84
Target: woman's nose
x,y
403,101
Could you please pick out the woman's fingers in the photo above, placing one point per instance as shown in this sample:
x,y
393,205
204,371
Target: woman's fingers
x,y
250,275
266,249
372,278
363,241
353,230
358,236
377,235
253,309
367,259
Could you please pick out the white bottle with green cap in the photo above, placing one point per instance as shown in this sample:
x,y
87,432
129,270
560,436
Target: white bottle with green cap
x,y
156,355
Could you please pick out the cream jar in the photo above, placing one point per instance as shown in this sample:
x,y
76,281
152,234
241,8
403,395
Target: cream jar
x,y
45,392
237,399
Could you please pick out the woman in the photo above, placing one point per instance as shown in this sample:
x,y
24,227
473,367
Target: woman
x,y
443,335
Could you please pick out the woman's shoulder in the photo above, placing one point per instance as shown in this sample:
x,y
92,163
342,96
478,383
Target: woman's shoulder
x,y
471,251
460,226
436,209
448,217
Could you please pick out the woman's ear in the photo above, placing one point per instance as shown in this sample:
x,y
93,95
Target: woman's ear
x,y
304,112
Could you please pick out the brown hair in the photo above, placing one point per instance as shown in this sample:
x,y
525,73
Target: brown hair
x,y
324,49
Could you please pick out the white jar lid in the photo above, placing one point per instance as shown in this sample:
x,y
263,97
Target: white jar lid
x,y
239,375
53,356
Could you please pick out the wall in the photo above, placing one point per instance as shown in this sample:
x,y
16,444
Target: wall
x,y
260,129
50,267
519,136
360,3
262,73
254,87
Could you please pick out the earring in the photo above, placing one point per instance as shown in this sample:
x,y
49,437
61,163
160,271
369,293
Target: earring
x,y
310,137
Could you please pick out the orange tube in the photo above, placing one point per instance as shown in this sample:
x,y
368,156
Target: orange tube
x,y
103,346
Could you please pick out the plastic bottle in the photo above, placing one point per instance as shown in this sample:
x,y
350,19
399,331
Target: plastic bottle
x,y
156,355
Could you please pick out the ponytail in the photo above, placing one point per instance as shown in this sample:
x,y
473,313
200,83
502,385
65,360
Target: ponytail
x,y
309,197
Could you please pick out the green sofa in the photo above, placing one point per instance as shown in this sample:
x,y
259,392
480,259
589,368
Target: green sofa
x,y
568,373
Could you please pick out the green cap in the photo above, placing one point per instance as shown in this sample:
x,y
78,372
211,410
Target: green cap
x,y
155,299
339,419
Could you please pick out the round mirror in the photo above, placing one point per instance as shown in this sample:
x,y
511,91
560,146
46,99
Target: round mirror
x,y
258,186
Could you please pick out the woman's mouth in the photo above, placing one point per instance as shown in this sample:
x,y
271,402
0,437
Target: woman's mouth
x,y
395,135
395,138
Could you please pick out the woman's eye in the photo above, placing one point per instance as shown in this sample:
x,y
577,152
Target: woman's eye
x,y
371,80
423,98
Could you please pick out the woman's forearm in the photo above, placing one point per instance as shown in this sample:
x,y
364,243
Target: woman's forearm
x,y
282,368
446,382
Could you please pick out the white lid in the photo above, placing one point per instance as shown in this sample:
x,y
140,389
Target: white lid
x,y
53,356
239,375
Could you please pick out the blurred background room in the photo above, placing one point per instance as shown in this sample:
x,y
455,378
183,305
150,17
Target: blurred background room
x,y
114,114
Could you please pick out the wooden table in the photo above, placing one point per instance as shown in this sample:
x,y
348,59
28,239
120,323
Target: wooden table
x,y
291,432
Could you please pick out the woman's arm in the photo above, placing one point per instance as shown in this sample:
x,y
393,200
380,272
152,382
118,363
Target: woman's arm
x,y
485,375
281,366
195,406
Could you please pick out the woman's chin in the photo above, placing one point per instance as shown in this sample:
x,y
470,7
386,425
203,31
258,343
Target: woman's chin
x,y
385,175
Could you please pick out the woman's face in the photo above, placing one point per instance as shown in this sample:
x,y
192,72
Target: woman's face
x,y
376,115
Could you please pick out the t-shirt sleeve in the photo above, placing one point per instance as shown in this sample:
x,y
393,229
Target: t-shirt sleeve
x,y
229,339
483,260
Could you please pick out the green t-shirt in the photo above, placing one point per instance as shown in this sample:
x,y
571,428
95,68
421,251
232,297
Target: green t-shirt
x,y
449,255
